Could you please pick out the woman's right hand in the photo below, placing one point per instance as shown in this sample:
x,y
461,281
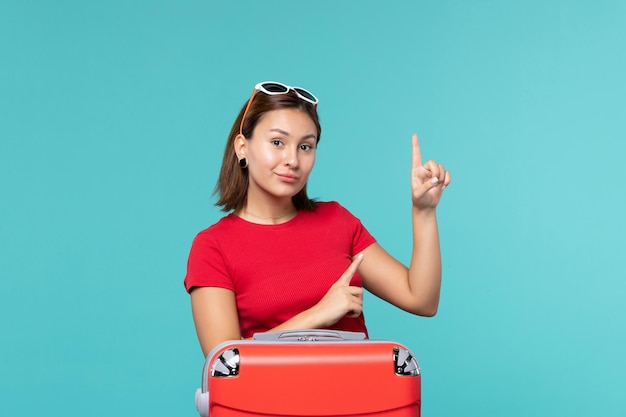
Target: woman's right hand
x,y
342,299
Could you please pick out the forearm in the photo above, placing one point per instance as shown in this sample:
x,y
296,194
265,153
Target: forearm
x,y
304,320
425,267
324,314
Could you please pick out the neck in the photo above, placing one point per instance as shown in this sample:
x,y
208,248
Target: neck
x,y
265,208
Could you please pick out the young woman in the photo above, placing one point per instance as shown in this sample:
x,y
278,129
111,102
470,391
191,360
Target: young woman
x,y
280,260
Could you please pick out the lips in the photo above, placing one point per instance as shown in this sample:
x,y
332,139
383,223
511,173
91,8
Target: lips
x,y
289,178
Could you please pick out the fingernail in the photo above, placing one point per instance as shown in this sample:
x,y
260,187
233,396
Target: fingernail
x,y
435,180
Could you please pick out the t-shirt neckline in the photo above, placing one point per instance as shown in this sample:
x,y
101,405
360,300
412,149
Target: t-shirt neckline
x,y
294,220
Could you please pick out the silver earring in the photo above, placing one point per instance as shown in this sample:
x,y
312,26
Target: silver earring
x,y
243,163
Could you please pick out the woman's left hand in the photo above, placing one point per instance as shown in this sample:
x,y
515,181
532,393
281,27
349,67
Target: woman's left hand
x,y
427,181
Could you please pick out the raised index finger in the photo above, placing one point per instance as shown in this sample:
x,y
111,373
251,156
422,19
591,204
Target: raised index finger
x,y
346,277
417,154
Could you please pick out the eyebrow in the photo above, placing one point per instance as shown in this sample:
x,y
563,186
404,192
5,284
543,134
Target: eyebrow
x,y
284,132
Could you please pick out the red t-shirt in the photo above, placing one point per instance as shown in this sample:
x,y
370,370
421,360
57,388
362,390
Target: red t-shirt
x,y
278,271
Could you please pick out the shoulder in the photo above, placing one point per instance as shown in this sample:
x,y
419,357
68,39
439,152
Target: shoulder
x,y
333,209
329,208
216,231
330,213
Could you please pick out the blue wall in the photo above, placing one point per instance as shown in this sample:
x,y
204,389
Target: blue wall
x,y
113,117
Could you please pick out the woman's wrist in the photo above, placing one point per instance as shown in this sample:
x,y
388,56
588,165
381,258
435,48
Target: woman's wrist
x,y
425,213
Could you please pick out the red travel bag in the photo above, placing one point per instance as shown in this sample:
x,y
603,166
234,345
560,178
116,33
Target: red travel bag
x,y
310,373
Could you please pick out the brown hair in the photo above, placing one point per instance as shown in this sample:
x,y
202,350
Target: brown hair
x,y
232,184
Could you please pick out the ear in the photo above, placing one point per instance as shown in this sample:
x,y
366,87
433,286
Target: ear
x,y
240,144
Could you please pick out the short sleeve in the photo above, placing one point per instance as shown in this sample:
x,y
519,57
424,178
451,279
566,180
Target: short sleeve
x,y
361,237
206,266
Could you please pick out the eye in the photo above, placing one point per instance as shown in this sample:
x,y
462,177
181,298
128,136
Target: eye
x,y
277,142
306,147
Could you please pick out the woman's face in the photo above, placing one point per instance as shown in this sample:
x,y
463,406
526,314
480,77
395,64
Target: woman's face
x,y
280,153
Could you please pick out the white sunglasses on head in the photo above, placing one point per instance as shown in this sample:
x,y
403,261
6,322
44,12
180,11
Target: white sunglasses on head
x,y
273,88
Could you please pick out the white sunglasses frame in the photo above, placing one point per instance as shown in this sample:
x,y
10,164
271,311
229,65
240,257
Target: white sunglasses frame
x,y
259,87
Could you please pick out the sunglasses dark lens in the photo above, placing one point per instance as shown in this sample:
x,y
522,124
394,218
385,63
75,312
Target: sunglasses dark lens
x,y
275,88
306,94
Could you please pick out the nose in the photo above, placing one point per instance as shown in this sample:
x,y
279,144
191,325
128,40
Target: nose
x,y
291,157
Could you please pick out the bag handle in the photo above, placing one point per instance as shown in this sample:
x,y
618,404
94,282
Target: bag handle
x,y
309,335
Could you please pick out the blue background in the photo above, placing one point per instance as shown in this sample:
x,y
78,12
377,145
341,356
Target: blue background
x,y
113,118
